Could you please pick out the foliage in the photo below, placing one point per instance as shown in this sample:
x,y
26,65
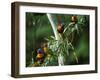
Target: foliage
x,y
73,43
64,46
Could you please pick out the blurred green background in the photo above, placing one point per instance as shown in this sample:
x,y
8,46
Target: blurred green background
x,y
38,28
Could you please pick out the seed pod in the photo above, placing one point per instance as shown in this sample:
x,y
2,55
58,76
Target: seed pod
x,y
60,28
74,18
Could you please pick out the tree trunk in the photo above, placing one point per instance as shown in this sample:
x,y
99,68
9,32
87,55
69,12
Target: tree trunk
x,y
53,25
